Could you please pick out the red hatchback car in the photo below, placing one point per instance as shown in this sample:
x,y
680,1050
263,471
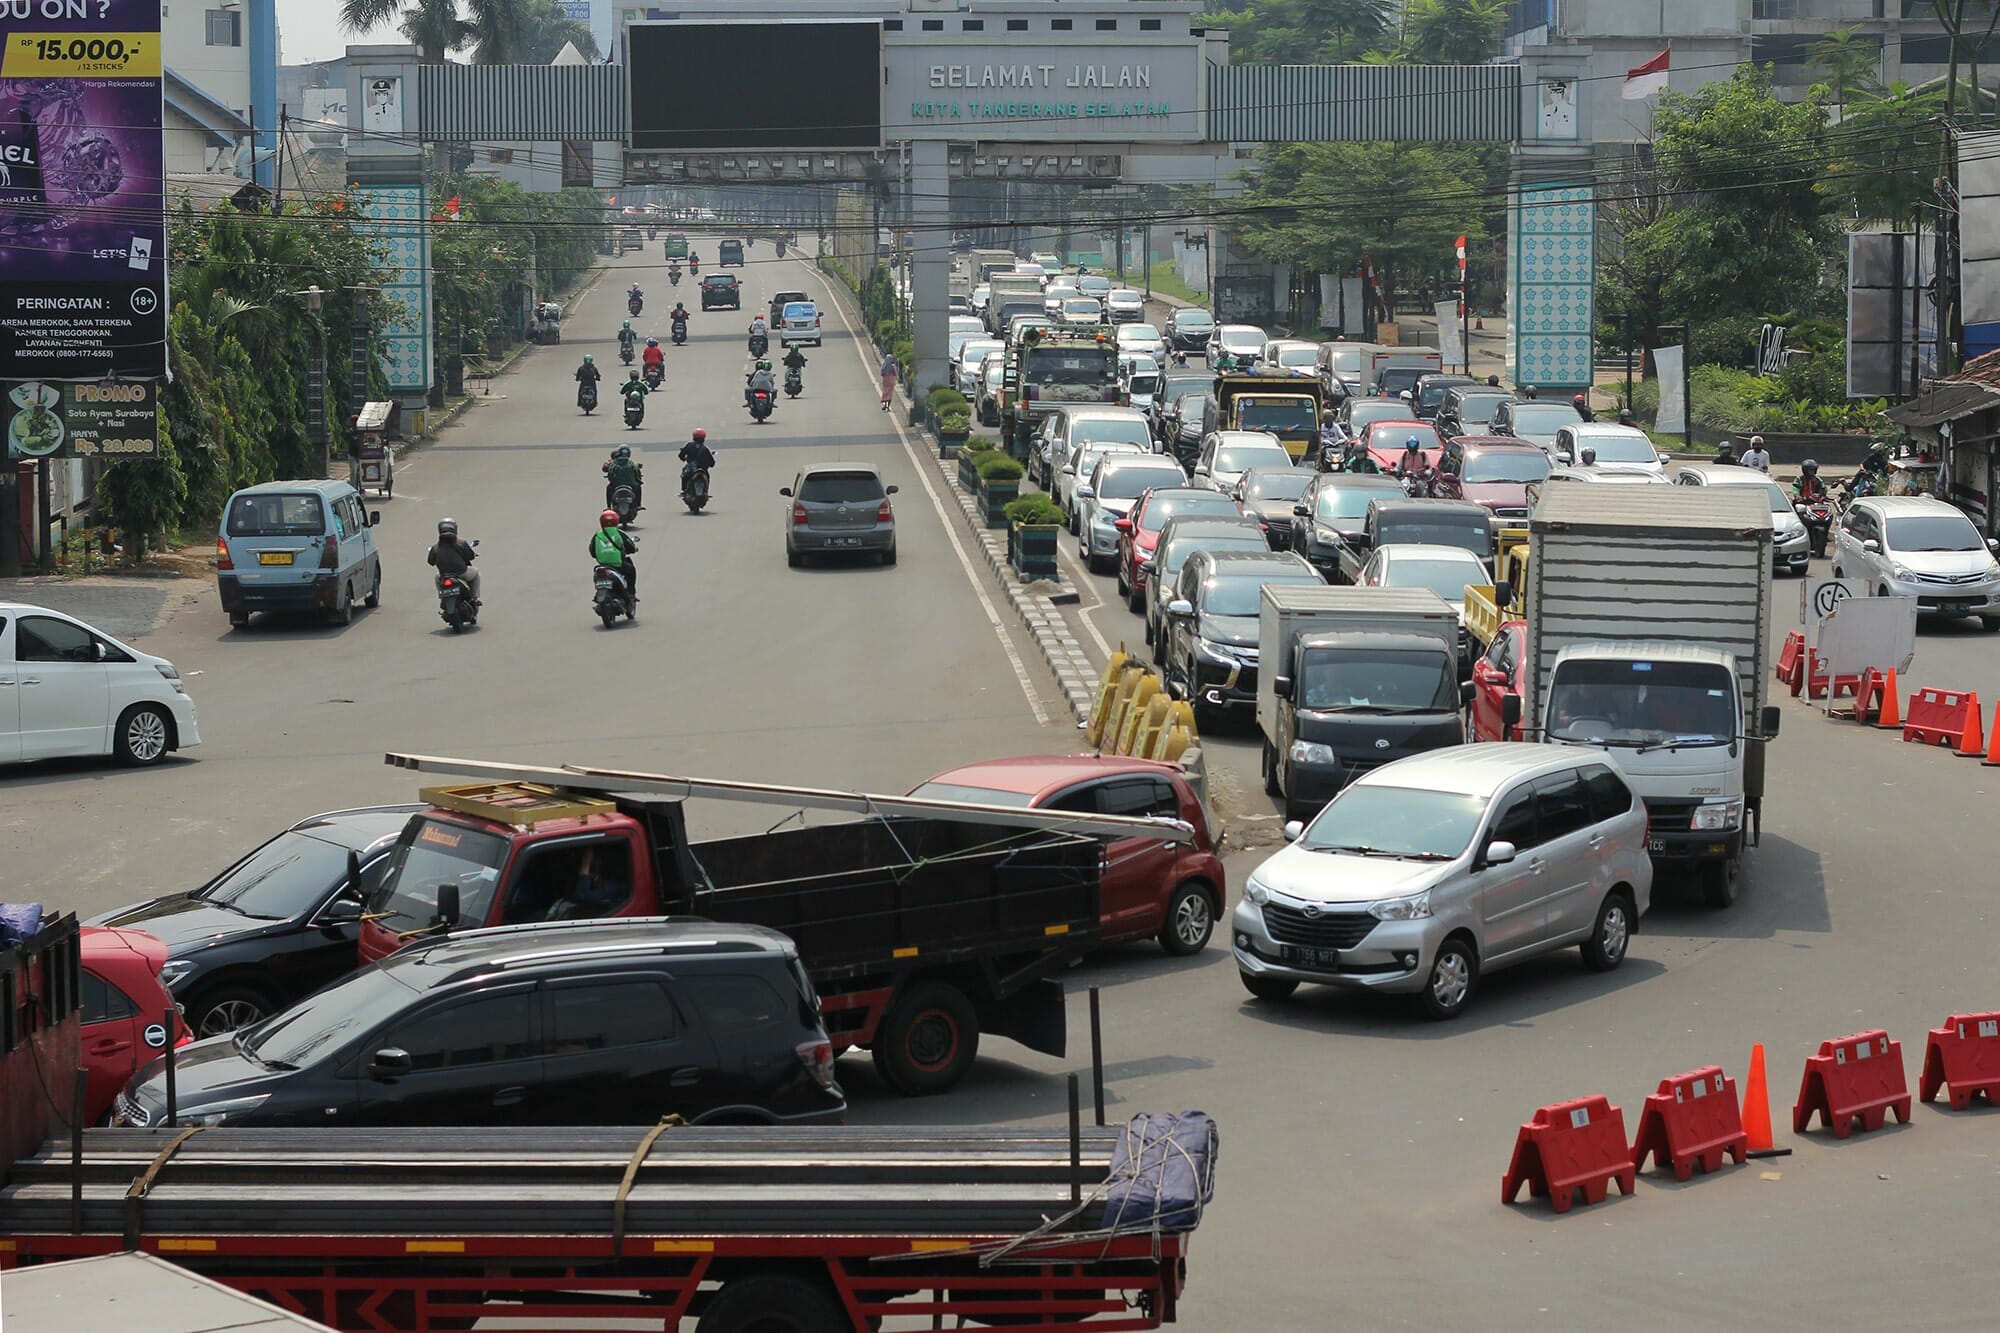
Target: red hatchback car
x,y
1385,441
124,1012
1139,531
1150,889
1499,672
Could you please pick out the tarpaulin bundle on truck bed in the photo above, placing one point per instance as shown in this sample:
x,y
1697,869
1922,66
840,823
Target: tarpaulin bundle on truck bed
x,y
1162,1173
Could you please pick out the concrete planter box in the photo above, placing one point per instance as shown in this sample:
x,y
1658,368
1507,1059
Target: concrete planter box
x,y
950,440
968,479
994,497
1031,549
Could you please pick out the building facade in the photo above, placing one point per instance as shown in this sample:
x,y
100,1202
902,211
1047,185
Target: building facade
x,y
222,85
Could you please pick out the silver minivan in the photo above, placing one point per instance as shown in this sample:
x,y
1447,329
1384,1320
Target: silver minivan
x,y
1430,871
1917,546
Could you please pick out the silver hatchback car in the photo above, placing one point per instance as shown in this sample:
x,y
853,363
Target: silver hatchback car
x,y
1432,870
839,509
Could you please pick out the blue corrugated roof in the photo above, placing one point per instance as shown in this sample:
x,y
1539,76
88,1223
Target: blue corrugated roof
x,y
224,127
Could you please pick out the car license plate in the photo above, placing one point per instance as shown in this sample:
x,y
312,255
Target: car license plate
x,y
1302,957
1656,844
274,557
845,541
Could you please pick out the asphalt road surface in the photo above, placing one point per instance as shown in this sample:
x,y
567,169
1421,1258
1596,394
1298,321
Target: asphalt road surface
x,y
1362,1146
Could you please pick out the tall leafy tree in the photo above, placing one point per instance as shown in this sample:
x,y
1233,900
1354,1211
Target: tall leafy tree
x,y
545,29
493,28
1848,61
1292,32
1453,32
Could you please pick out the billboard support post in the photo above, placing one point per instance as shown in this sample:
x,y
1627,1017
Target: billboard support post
x,y
930,260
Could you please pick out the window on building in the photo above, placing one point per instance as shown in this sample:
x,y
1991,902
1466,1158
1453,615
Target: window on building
x,y
500,155
1149,25
225,27
1774,9
1017,25
973,25
1058,25
1107,25
933,25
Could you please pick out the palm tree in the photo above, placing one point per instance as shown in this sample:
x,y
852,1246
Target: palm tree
x,y
436,27
1453,32
544,31
1848,63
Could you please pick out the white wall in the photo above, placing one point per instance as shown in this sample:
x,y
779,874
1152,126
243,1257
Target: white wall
x,y
223,72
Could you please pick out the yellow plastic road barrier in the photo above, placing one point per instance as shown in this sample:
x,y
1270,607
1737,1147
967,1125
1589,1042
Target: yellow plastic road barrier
x,y
1135,714
1095,731
1121,698
1147,739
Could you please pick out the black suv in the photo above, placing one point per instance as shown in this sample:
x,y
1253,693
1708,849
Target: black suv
x,y
720,291
616,1021
1189,329
729,254
778,304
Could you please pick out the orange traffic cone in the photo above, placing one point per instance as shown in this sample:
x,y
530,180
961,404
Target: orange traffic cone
x,y
1890,716
1973,741
1992,758
1757,1104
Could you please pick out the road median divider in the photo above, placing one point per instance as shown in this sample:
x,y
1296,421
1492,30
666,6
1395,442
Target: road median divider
x,y
1963,1059
1859,1077
1693,1120
1571,1146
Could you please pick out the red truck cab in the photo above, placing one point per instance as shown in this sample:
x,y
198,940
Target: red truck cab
x,y
1501,670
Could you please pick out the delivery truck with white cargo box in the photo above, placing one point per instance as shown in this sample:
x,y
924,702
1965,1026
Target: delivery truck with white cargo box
x,y
1351,678
1648,611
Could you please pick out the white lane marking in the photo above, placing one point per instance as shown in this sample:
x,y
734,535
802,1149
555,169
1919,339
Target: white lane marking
x,y
944,518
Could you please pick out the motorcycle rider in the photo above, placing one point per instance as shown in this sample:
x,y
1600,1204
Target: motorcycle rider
x,y
760,378
1588,457
1873,476
634,387
1411,462
795,361
635,294
1809,489
452,558
612,547
627,339
1582,406
588,373
1725,452
1358,459
623,471
1625,417
678,315
1757,455
696,456
654,355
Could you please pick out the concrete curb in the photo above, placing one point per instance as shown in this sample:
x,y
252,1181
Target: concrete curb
x,y
1035,603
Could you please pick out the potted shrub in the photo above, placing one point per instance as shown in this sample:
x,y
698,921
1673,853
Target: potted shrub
x,y
953,426
999,485
1035,525
970,455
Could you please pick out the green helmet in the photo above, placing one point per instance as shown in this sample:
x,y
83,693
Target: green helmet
x,y
588,359
763,365
628,323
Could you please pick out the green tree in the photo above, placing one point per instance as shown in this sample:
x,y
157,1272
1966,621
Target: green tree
x,y
544,30
1327,207
145,496
1848,62
1884,147
493,28
1300,31
1453,32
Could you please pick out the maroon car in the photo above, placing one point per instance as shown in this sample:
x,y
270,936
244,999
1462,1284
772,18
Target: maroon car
x,y
1150,889
1490,470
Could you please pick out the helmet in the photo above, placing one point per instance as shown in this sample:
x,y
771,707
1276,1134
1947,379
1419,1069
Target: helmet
x,y
1493,381
588,359
1580,401
652,342
608,519
622,451
763,365
699,435
447,527
1758,441
1625,417
1529,390
1810,467
1413,443
628,323
1589,456
632,374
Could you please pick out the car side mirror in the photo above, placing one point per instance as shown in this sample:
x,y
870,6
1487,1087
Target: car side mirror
x,y
96,650
785,491
1281,686
447,913
1300,511
1510,710
1123,525
1500,853
1993,543
1769,718
1201,470
1293,830
1084,490
1465,693
374,517
1503,593
340,911
1180,607
1871,546
890,490
389,1062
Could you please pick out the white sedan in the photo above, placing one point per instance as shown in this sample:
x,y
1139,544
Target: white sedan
x,y
1446,570
1142,340
1125,306
67,689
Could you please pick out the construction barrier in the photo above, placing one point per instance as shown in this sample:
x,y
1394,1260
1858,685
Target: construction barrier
x,y
1786,668
1937,717
1141,698
1693,1120
1570,1146
1136,716
1857,1077
1146,735
1817,684
1963,1057
1110,718
1106,691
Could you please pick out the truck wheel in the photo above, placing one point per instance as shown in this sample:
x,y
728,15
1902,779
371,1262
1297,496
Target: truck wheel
x,y
1272,787
927,1040
1718,882
1190,920
1268,988
773,1303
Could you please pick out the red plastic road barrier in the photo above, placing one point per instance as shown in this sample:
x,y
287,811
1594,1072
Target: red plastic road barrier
x,y
1787,666
1963,1057
1693,1120
1853,1077
1936,717
1571,1146
1867,698
1816,682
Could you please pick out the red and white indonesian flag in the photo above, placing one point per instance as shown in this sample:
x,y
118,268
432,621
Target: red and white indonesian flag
x,y
1642,81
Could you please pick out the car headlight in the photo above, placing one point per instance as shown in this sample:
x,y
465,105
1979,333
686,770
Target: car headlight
x,y
1718,815
1104,518
1413,908
1220,652
1311,752
173,677
1326,536
217,1113
175,972
1254,893
1901,573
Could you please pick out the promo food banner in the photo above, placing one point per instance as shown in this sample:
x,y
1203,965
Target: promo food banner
x,y
83,279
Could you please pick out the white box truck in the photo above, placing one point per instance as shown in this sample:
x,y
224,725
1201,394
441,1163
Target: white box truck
x,y
1349,679
1648,612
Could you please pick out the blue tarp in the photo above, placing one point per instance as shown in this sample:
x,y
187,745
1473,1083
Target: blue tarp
x,y
1162,1173
19,923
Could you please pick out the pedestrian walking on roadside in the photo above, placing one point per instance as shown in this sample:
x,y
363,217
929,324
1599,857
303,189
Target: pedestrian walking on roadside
x,y
889,372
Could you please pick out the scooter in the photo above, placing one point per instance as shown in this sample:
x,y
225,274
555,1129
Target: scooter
x,y
795,381
759,344
610,596
656,374
625,353
680,332
1817,515
760,404
636,304
586,396
455,605
625,503
635,410
674,275
781,249
694,493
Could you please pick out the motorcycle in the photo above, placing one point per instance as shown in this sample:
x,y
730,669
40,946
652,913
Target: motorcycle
x,y
759,344
795,381
626,504
586,396
1415,486
625,353
610,596
781,249
694,265
635,411
680,332
656,374
455,605
636,304
674,275
760,404
1817,515
694,492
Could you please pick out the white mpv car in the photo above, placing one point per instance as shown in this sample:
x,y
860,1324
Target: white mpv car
x,y
67,690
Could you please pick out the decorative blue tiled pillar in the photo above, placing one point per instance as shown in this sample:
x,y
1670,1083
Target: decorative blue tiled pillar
x,y
1551,279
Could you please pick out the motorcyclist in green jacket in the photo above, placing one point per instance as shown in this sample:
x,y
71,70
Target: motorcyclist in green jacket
x,y
623,471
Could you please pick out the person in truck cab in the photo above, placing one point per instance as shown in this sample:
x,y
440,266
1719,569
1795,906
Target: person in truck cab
x,y
594,891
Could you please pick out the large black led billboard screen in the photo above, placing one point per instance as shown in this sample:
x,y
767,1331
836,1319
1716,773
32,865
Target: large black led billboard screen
x,y
755,86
